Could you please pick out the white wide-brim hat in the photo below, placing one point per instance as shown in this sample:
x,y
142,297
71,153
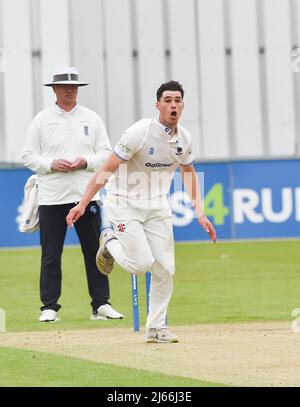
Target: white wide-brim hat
x,y
66,76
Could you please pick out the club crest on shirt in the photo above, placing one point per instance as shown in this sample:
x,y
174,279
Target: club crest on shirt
x,y
86,130
121,227
151,150
179,151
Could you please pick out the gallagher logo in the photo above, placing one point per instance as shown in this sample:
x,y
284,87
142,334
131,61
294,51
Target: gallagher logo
x,y
121,227
158,165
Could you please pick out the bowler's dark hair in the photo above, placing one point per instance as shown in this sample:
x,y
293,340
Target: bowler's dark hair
x,y
172,85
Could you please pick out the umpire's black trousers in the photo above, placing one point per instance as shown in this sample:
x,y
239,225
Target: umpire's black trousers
x,y
53,228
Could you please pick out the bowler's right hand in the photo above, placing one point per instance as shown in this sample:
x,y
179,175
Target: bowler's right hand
x,y
74,214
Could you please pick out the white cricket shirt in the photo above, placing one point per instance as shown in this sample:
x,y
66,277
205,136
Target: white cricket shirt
x,y
57,134
152,156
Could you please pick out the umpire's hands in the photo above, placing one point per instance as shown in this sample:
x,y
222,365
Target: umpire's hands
x,y
208,227
61,165
79,164
74,214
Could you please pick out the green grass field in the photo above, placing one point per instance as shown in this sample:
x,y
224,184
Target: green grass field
x,y
227,282
20,368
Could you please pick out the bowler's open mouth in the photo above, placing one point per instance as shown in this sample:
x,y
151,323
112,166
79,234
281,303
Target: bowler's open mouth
x,y
174,114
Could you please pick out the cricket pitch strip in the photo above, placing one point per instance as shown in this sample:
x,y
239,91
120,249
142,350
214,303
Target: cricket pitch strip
x,y
244,354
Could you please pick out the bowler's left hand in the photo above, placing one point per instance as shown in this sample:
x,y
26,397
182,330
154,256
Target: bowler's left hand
x,y
208,227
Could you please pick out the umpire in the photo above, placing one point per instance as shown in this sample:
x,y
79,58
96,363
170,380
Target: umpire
x,y
65,145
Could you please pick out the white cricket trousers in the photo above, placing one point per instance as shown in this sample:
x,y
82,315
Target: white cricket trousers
x,y
145,242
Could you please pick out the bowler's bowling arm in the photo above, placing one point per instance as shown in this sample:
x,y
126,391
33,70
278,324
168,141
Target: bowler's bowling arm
x,y
98,180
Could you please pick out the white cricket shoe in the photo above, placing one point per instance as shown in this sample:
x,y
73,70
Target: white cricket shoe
x,y
106,311
48,315
160,335
104,260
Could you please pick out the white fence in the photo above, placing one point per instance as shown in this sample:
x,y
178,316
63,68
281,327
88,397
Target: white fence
x,y
233,58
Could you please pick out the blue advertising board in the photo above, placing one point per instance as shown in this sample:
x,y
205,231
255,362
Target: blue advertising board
x,y
12,183
266,199
214,179
247,199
